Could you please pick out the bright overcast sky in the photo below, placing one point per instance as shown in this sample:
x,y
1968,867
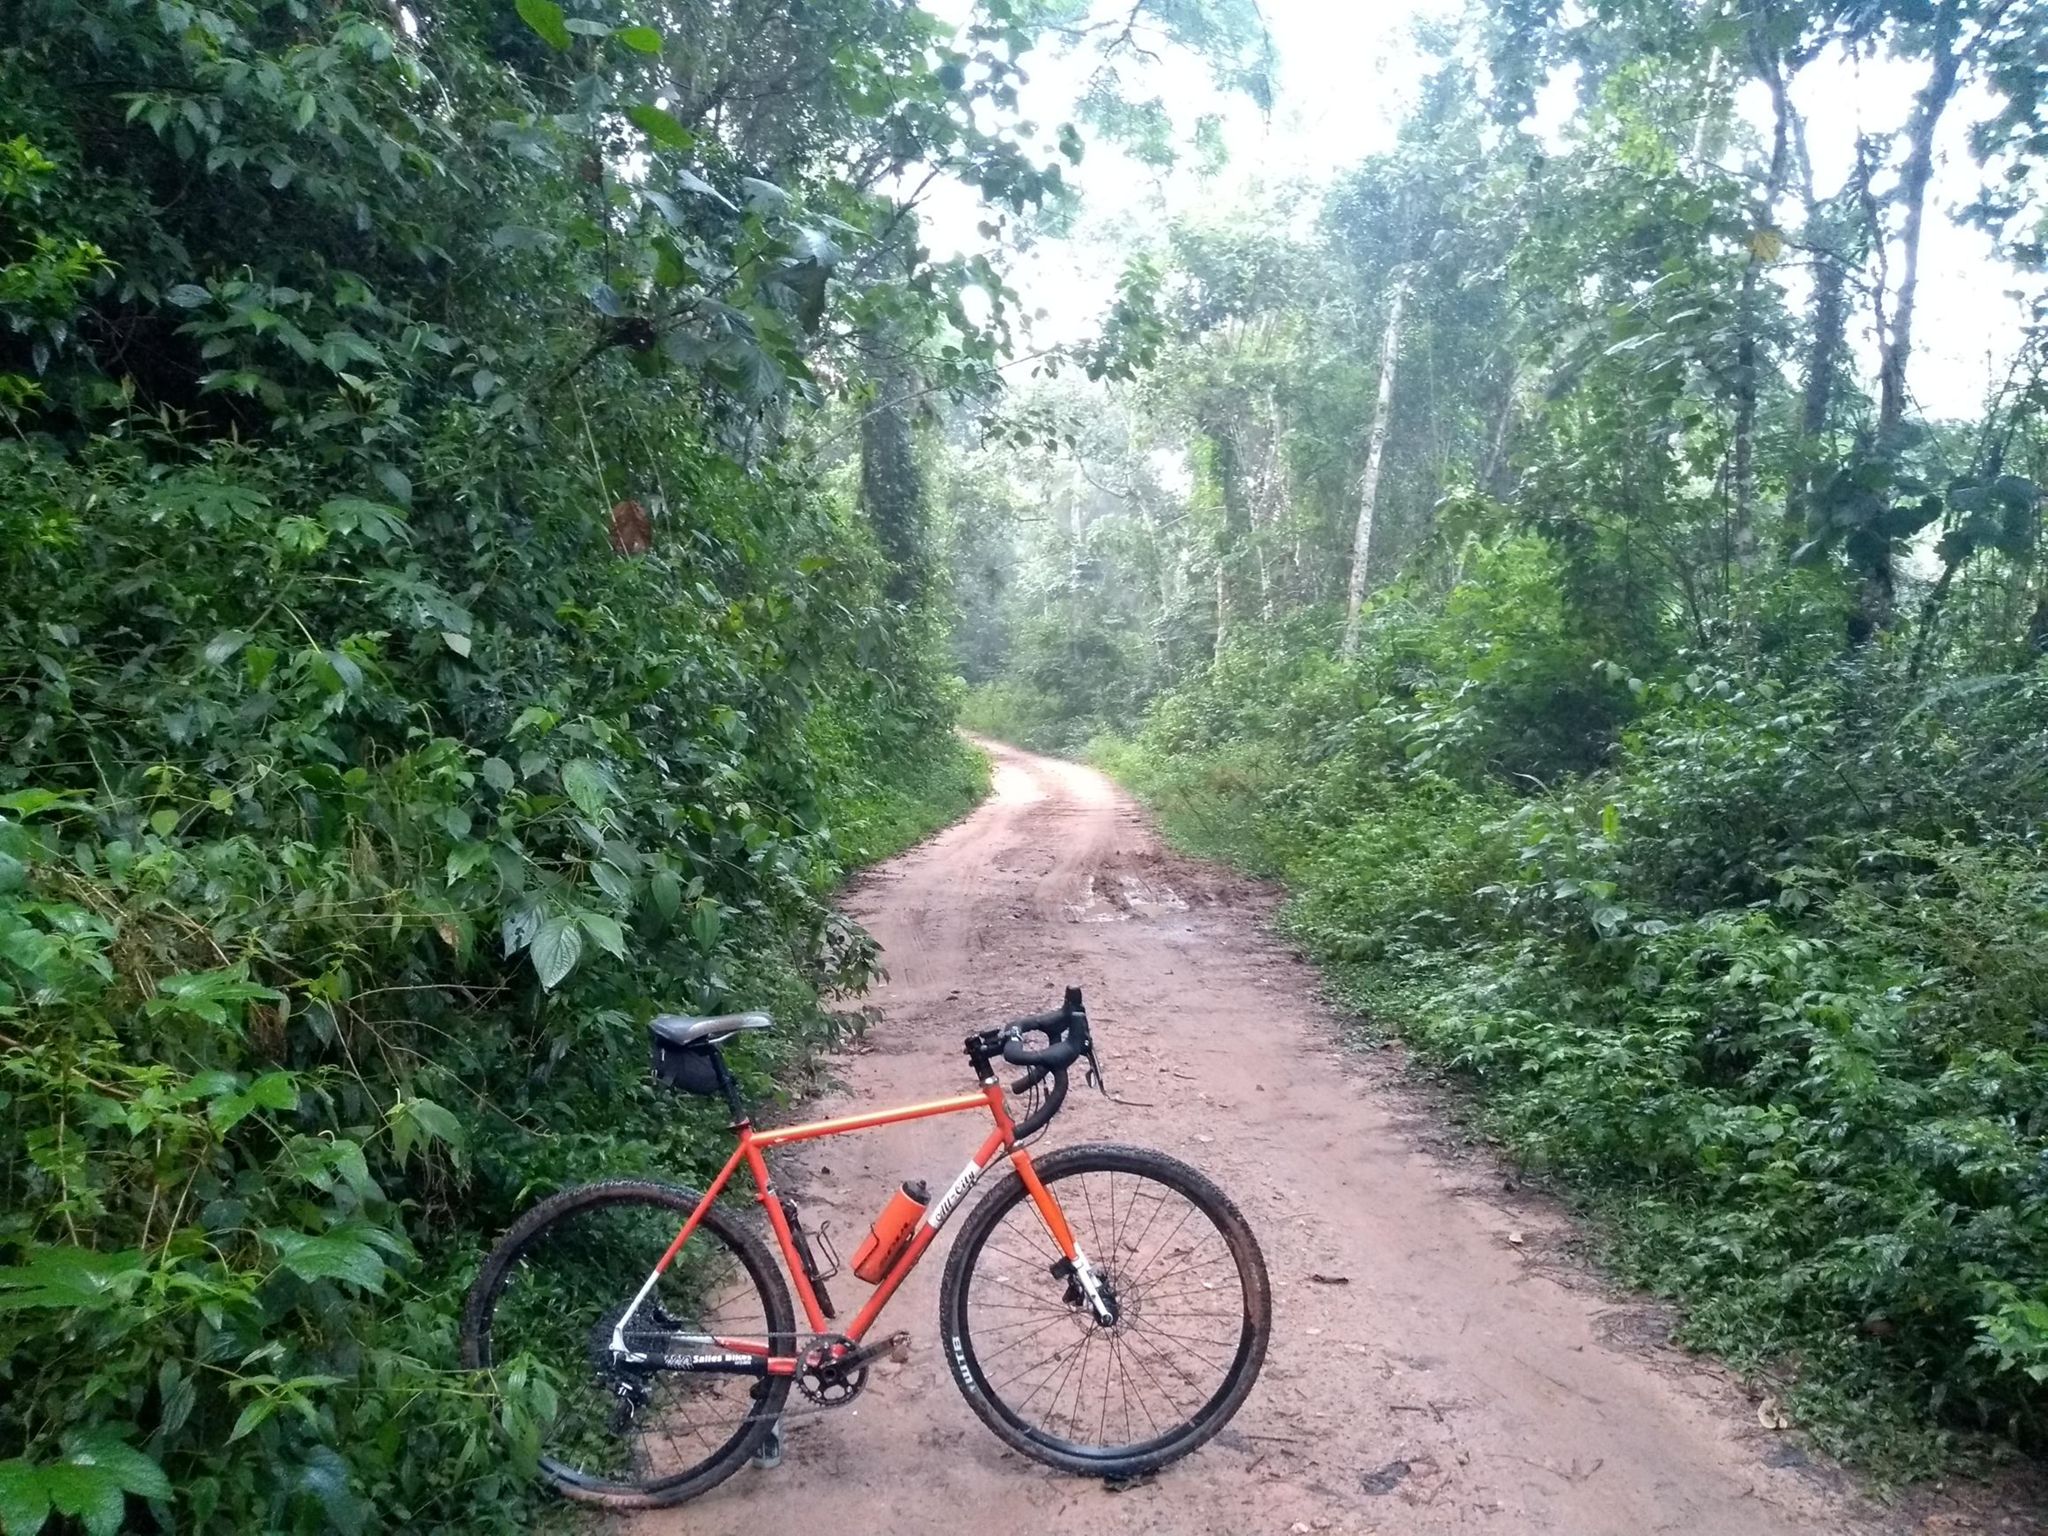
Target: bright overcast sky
x,y
1347,74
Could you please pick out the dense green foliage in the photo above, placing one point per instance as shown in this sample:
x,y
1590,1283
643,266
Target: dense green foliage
x,y
427,649
1677,776
1767,989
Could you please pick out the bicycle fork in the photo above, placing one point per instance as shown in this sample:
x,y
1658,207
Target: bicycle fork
x,y
1073,1261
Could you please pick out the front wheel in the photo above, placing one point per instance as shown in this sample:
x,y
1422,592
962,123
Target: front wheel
x,y
1193,1312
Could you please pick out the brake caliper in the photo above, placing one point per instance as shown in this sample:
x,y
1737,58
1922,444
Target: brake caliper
x,y
1087,1289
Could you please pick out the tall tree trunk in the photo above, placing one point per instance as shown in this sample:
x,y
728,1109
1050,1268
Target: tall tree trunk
x,y
1914,175
1830,324
1369,480
1169,598
1764,241
1236,527
1222,613
891,485
1493,476
1075,529
1256,507
1709,132
1835,255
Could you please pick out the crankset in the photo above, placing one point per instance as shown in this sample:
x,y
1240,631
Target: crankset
x,y
834,1370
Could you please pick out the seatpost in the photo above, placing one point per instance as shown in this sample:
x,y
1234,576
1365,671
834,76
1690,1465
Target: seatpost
x,y
729,1088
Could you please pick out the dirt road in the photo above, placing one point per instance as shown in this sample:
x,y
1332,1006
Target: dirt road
x,y
1467,1377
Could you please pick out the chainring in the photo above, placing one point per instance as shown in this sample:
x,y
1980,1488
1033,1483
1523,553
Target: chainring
x,y
824,1380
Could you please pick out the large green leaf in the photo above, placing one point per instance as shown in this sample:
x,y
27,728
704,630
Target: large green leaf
x,y
212,997
331,1257
545,17
660,126
92,1493
374,520
273,1090
415,1122
605,932
555,950
134,1471
24,1501
63,1276
588,786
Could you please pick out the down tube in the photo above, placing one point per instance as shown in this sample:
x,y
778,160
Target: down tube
x,y
927,1233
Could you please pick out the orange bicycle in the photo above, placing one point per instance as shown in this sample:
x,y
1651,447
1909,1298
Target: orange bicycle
x,y
1104,1310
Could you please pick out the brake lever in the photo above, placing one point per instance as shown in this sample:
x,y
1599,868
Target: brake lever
x,y
1094,1068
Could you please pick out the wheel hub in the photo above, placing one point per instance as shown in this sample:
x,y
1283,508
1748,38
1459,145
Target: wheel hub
x,y
1076,1297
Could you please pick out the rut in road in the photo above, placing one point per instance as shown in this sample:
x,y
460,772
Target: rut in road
x,y
1426,1373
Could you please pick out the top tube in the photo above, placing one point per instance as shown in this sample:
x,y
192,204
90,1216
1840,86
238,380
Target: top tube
x,y
812,1129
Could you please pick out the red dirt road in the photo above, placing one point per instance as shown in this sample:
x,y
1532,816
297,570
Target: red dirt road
x,y
1467,1376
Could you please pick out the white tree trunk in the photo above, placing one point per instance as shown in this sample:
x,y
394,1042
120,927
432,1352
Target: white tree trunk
x,y
1897,347
1369,480
1222,612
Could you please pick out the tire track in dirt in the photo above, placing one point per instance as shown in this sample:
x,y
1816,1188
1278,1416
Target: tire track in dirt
x,y
1455,1381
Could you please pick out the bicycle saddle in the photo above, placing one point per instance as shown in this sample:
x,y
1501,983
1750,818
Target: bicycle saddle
x,y
692,1029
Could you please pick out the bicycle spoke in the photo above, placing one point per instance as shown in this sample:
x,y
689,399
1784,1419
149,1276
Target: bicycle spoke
x,y
570,1288
1180,1312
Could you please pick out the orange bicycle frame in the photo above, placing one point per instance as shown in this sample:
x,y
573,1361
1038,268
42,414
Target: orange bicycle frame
x,y
1001,1139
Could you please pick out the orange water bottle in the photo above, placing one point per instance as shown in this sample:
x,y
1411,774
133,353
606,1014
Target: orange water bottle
x,y
891,1233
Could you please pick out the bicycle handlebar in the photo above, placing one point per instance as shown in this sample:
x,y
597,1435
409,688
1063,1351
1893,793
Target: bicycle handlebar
x,y
1066,1025
1056,1057
1053,1023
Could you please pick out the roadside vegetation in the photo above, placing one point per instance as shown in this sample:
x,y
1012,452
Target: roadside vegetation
x,y
467,581
1530,549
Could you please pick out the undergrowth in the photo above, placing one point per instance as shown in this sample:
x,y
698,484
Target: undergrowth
x,y
1763,992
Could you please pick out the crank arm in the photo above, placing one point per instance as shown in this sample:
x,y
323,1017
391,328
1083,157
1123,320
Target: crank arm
x,y
868,1353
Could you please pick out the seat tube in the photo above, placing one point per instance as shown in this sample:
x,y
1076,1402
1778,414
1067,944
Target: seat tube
x,y
729,1088
778,1223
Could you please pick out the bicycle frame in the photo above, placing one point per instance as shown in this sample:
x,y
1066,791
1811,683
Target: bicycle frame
x,y
757,1356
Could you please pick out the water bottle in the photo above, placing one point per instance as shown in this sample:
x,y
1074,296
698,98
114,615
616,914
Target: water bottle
x,y
891,1233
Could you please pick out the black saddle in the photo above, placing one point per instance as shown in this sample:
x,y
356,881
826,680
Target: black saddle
x,y
686,1029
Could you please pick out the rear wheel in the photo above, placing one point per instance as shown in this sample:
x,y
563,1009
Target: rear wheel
x,y
541,1314
1193,1312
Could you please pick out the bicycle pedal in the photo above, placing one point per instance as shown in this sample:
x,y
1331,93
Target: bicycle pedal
x,y
769,1456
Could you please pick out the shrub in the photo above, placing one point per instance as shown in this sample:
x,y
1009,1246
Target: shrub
x,y
1755,967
